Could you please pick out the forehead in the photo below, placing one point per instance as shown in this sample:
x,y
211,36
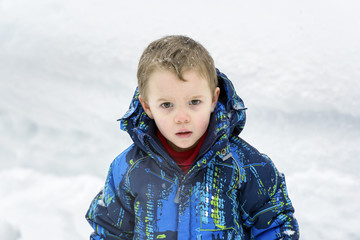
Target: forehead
x,y
168,83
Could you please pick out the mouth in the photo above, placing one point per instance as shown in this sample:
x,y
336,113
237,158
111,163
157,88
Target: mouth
x,y
184,134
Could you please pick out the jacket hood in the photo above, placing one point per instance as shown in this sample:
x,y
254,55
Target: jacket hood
x,y
228,117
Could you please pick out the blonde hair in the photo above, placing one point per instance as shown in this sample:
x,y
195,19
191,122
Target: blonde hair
x,y
178,54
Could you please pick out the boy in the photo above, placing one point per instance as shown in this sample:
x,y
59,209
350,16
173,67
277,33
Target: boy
x,y
188,175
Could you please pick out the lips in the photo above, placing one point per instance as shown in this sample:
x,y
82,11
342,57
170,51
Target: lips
x,y
184,134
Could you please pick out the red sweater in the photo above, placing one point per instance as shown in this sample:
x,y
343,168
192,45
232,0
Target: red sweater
x,y
183,159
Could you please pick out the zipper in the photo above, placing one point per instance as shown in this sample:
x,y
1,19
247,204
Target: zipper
x,y
163,154
176,170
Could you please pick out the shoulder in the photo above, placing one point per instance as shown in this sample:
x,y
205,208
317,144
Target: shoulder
x,y
123,162
253,164
247,153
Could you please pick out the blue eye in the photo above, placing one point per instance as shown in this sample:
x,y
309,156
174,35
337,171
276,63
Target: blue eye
x,y
166,105
194,102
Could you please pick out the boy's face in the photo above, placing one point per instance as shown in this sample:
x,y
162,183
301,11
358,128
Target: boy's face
x,y
180,109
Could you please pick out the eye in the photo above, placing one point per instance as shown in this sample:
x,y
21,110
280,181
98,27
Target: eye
x,y
166,105
194,102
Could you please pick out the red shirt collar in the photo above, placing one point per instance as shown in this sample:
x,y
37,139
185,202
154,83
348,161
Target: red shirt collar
x,y
183,159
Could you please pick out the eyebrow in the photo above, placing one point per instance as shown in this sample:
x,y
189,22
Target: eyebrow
x,y
169,99
163,99
197,96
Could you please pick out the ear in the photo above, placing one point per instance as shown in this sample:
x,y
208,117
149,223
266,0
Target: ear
x,y
215,98
146,107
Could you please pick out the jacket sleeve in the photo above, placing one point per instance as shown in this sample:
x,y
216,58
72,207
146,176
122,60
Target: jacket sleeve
x,y
111,212
267,211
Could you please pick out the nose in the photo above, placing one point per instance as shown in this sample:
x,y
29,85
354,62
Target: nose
x,y
182,116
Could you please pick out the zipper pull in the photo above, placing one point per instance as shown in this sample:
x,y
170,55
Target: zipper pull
x,y
177,197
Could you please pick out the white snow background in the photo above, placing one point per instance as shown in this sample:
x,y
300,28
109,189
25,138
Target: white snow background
x,y
68,72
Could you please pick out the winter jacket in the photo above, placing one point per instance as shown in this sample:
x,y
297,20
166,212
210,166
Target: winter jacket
x,y
231,191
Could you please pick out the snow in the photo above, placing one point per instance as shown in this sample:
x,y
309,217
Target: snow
x,y
68,72
7,231
37,206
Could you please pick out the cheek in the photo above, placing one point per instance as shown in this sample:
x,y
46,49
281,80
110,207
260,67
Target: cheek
x,y
162,123
203,121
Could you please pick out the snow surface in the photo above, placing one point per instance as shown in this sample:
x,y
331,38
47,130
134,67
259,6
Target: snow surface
x,y
68,71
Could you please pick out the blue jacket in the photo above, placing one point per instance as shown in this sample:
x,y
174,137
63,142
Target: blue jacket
x,y
231,191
